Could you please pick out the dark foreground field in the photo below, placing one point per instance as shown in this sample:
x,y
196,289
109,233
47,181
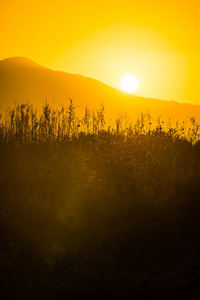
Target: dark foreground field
x,y
100,216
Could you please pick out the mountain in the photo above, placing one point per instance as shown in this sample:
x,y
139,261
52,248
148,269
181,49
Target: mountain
x,y
23,80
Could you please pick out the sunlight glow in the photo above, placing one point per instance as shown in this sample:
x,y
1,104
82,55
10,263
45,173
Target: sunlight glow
x,y
129,83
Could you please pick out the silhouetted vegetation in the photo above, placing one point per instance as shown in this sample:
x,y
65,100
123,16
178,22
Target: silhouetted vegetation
x,y
98,210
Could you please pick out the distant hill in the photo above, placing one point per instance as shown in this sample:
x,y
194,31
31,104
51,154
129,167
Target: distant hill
x,y
23,80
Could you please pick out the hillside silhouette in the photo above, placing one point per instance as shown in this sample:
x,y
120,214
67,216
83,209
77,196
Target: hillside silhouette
x,y
23,80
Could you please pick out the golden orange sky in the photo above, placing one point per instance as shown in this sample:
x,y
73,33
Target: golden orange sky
x,y
157,41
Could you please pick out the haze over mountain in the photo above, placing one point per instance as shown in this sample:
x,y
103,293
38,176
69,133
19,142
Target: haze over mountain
x,y
23,80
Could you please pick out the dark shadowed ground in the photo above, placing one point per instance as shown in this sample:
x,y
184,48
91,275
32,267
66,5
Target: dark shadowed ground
x,y
100,217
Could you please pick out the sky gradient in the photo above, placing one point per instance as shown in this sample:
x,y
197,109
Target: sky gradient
x,y
157,41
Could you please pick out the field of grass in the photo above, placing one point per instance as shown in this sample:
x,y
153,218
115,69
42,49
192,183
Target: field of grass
x,y
92,211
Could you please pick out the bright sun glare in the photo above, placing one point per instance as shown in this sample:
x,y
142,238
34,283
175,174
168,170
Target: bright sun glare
x,y
129,83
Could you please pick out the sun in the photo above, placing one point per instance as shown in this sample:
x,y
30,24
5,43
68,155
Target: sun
x,y
129,83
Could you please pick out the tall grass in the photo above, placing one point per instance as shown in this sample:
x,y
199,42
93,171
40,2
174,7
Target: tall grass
x,y
24,123
95,209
